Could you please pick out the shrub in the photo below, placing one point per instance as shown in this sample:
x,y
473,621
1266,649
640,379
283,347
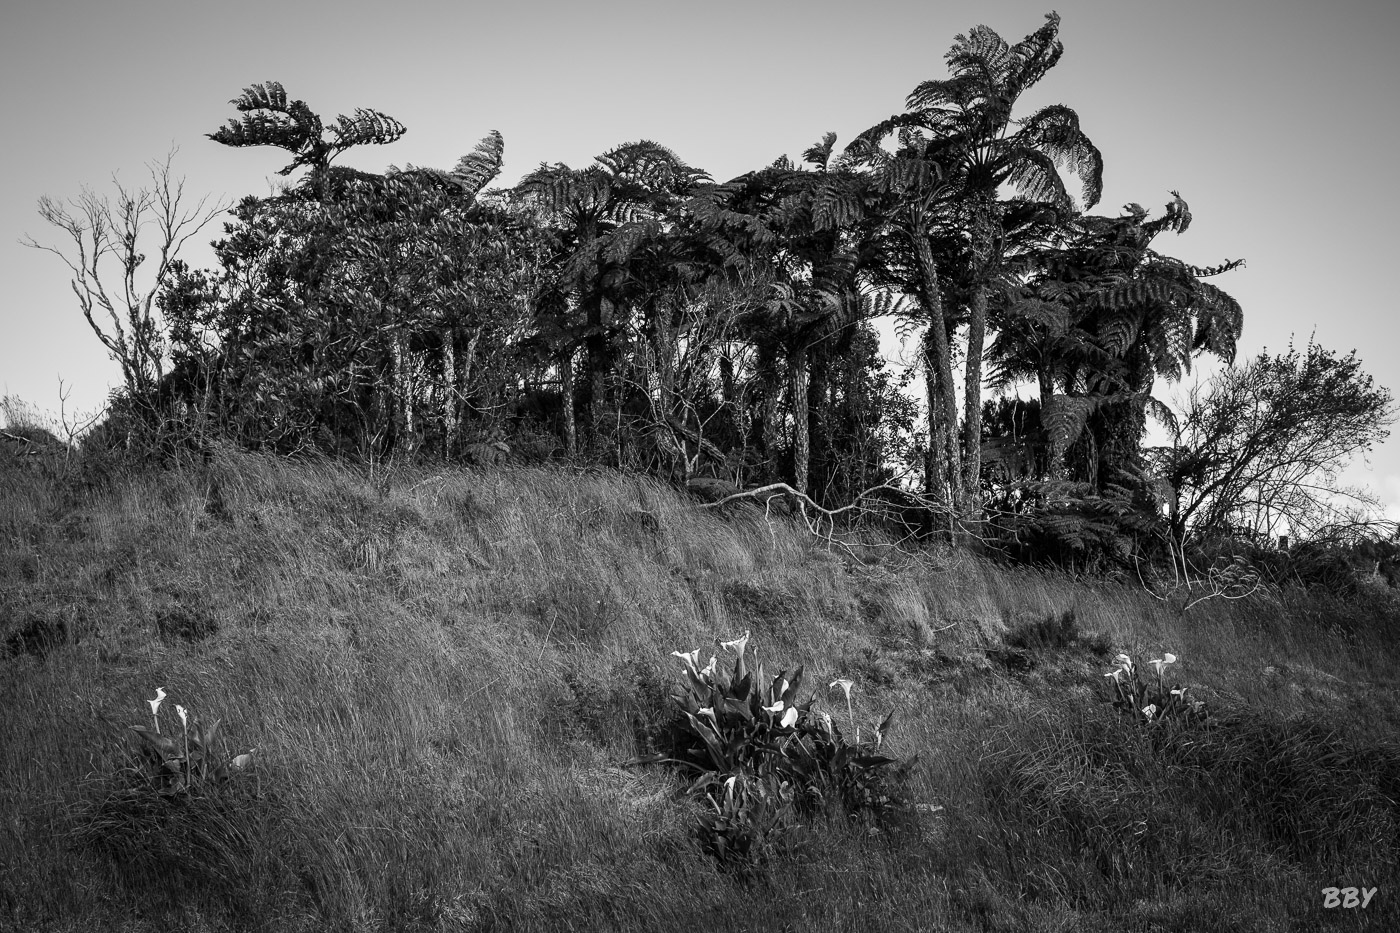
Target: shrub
x,y
1147,699
762,761
1054,631
174,822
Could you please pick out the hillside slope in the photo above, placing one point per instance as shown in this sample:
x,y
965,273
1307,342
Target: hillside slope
x,y
440,674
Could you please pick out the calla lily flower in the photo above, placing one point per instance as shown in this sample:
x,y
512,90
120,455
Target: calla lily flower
x,y
846,685
184,716
1116,674
789,718
709,671
1160,665
691,659
1150,710
737,644
775,708
1126,662
825,719
155,706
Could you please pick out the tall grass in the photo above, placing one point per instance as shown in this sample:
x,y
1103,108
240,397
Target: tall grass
x,y
442,670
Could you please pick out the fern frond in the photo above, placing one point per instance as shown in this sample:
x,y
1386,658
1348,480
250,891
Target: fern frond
x,y
270,95
834,204
1035,175
1055,130
478,168
1119,332
628,238
1064,417
366,127
820,153
1204,272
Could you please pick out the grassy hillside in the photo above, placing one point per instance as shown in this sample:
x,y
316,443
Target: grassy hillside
x,y
440,674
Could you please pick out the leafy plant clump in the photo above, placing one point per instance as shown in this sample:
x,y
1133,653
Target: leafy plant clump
x,y
183,762
175,812
1150,699
1055,631
763,762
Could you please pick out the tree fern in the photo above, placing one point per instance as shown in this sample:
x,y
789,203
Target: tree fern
x,y
271,119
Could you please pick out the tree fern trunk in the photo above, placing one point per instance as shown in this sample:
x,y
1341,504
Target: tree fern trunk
x,y
801,439
942,470
449,393
566,398
972,400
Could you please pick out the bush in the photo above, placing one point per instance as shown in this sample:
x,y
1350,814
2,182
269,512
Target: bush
x,y
1149,699
1121,811
762,763
174,823
1054,631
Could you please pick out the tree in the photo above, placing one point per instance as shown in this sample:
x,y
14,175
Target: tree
x,y
964,125
357,319
1099,319
271,119
601,214
1261,449
110,245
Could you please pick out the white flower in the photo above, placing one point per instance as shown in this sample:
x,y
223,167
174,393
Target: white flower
x,y
844,684
184,717
691,658
789,717
825,718
155,706
737,644
1150,710
709,671
1116,674
1160,665
775,708
1125,662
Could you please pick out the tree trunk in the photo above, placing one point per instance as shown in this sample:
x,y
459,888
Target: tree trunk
x,y
400,405
942,473
566,398
449,392
738,413
972,401
801,440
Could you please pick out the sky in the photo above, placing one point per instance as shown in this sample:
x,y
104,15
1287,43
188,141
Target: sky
x,y
1275,119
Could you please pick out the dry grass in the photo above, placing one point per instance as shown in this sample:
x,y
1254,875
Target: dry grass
x,y
442,671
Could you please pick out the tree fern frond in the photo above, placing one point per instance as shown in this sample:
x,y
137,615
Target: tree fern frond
x,y
478,168
366,127
1119,332
1055,130
1034,56
820,153
628,238
1034,174
262,129
270,95
834,204
1203,272
1064,418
